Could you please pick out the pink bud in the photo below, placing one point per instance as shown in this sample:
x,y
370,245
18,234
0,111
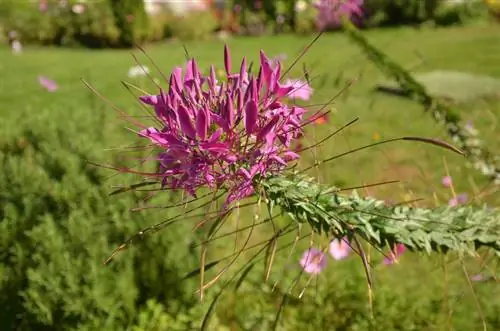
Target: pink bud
x,y
227,60
251,112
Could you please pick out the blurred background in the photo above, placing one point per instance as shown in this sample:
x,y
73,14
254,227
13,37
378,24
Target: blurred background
x,y
58,222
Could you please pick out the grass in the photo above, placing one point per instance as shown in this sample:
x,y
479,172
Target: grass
x,y
418,167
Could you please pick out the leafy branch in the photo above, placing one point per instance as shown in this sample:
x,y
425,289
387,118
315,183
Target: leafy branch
x,y
462,230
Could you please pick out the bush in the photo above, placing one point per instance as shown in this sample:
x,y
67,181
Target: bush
x,y
194,25
58,225
132,21
61,25
398,12
459,13
305,20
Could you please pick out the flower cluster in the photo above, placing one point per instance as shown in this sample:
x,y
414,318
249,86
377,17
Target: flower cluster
x,y
222,135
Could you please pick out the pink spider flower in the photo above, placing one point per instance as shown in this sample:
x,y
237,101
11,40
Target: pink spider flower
x,y
301,89
331,12
223,135
48,84
339,249
313,261
394,254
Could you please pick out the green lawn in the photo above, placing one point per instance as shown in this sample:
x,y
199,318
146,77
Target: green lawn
x,y
473,50
23,103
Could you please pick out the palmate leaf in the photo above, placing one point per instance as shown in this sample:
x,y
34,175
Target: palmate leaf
x,y
462,230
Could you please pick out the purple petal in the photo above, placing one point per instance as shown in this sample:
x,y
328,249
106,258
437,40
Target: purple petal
x,y
267,129
151,100
185,122
202,123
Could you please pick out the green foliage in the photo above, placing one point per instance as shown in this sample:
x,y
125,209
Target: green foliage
x,y
396,12
195,25
459,13
58,226
132,21
404,298
59,25
305,21
461,230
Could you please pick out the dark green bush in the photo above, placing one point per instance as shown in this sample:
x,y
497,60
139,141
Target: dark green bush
x,y
59,25
58,224
398,12
195,25
132,21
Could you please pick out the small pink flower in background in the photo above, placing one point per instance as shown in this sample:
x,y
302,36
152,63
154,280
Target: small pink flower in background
x,y
339,249
477,278
331,12
48,84
447,181
460,199
300,89
394,254
43,5
313,261
130,18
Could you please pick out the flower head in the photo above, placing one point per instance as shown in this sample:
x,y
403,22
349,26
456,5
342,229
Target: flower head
x,y
223,134
339,249
394,254
313,261
48,84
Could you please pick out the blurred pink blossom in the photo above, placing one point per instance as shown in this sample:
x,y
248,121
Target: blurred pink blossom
x,y
339,249
394,254
48,84
447,181
460,199
301,89
313,261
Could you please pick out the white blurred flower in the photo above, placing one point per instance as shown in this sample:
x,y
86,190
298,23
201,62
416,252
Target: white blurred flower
x,y
137,71
17,47
78,8
300,6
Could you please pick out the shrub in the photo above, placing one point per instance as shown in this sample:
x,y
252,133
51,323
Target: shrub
x,y
194,25
61,25
398,12
58,225
132,21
